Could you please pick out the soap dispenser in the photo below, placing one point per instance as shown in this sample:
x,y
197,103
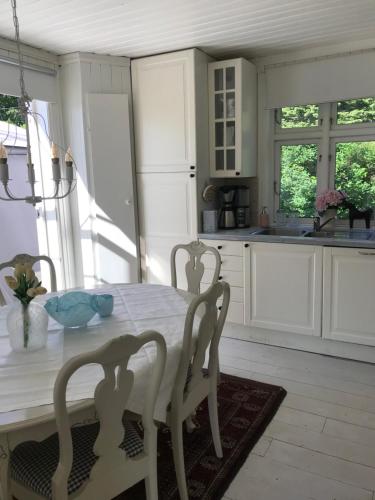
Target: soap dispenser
x,y
264,219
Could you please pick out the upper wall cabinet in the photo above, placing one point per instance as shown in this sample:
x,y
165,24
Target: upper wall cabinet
x,y
232,116
164,112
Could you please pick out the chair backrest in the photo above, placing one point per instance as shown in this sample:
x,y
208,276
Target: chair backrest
x,y
24,258
194,267
205,314
111,396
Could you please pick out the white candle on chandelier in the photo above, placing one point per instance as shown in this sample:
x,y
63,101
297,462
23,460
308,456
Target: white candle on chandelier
x,y
69,157
54,151
3,152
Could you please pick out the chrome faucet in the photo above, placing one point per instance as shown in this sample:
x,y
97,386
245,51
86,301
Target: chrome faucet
x,y
317,226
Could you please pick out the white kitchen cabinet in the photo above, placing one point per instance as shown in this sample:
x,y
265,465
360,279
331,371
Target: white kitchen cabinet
x,y
170,95
285,287
348,295
232,255
164,112
233,118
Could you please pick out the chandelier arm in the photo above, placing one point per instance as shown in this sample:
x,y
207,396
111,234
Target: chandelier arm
x,y
71,187
11,197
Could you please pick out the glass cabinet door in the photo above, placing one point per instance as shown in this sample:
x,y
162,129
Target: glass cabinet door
x,y
225,118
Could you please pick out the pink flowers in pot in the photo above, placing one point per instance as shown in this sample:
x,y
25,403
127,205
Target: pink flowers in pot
x,y
330,198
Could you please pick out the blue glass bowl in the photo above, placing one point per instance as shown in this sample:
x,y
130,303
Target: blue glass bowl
x,y
75,309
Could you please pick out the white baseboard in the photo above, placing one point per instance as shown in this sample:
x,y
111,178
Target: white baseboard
x,y
300,342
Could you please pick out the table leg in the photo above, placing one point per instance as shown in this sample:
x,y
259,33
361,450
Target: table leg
x,y
4,468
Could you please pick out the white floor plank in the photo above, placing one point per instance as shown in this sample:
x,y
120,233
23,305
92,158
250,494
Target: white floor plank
x,y
266,479
331,410
316,441
350,432
262,446
323,465
298,418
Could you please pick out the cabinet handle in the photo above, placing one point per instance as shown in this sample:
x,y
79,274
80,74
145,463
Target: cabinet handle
x,y
367,253
192,167
237,173
246,245
192,175
219,247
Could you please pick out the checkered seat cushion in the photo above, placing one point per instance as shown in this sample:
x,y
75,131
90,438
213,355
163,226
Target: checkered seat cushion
x,y
34,463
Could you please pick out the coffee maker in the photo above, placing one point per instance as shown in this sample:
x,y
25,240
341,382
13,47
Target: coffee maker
x,y
235,209
242,207
227,219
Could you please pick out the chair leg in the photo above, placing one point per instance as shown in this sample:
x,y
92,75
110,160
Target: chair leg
x,y
178,456
151,480
214,421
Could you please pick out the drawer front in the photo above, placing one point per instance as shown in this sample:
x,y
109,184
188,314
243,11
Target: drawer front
x,y
236,292
235,313
228,262
234,278
226,247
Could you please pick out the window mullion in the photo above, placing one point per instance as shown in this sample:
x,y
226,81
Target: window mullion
x,y
323,174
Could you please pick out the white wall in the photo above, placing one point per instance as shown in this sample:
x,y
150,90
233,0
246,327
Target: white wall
x,y
81,74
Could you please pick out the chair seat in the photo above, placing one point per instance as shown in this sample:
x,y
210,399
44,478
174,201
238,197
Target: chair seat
x,y
34,463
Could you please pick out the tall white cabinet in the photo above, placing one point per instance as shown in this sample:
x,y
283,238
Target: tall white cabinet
x,y
171,146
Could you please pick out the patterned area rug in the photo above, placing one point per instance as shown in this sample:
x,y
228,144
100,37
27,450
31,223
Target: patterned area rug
x,y
245,409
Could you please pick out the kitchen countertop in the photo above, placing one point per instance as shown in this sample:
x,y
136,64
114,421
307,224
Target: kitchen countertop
x,y
246,235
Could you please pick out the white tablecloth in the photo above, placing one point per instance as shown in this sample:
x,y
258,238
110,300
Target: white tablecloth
x,y
27,379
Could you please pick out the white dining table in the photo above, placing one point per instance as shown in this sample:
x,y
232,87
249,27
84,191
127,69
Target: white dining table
x,y
27,378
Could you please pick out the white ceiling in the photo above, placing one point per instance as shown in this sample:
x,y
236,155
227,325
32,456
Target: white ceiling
x,y
220,27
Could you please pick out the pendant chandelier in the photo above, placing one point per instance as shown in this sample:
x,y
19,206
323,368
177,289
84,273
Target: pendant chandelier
x,y
63,185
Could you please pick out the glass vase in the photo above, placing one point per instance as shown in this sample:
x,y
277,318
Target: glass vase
x,y
27,327
329,215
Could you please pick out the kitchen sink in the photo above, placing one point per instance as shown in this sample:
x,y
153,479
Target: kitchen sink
x,y
340,235
280,231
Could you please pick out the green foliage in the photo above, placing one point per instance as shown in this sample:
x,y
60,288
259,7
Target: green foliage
x,y
298,179
300,116
9,110
356,111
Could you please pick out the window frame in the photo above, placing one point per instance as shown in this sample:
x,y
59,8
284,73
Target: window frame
x,y
326,136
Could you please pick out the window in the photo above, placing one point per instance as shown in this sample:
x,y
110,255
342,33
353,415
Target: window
x,y
324,146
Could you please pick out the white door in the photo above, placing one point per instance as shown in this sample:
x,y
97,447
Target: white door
x,y
167,216
164,112
286,287
348,295
113,188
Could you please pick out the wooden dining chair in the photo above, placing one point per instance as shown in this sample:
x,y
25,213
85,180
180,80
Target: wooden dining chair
x,y
25,258
192,384
194,267
102,459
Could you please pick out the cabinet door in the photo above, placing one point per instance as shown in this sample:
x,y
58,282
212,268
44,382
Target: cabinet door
x,y
348,295
167,205
286,287
164,112
225,118
167,217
